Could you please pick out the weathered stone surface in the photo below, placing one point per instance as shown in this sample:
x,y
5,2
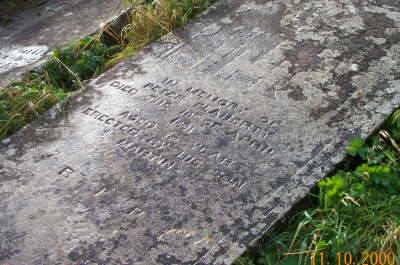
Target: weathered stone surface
x,y
188,152
32,34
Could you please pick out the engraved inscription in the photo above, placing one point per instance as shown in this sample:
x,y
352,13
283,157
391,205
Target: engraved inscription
x,y
151,148
193,110
117,123
14,56
166,92
218,112
123,87
135,118
134,147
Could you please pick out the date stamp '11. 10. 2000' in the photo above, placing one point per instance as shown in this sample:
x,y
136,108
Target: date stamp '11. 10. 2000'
x,y
350,258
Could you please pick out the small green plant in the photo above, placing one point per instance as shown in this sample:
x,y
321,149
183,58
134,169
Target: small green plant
x,y
25,101
358,148
79,61
332,190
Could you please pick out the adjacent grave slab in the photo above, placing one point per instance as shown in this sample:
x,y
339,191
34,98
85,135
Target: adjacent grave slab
x,y
190,151
32,34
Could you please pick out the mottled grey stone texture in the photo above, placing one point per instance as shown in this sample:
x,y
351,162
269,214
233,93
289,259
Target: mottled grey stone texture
x,y
33,34
191,150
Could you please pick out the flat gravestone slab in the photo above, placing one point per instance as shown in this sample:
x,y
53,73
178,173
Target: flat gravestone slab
x,y
33,34
190,151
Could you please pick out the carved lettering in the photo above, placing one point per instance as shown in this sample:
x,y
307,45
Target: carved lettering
x,y
236,181
249,140
225,116
12,57
133,146
123,87
124,127
171,94
158,101
189,159
170,82
207,97
138,120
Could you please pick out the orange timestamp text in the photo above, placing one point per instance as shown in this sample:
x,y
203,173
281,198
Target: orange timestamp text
x,y
349,258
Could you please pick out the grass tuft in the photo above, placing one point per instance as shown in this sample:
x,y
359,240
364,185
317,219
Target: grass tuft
x,y
26,100
149,20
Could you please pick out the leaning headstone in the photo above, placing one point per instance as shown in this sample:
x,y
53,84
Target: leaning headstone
x,y
190,151
32,34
